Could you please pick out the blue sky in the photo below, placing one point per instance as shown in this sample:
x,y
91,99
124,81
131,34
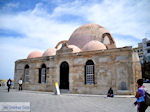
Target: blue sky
x,y
28,25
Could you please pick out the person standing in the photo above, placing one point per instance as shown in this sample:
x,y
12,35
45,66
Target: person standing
x,y
9,84
20,84
140,96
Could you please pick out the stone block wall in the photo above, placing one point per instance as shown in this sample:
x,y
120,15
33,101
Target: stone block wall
x,y
116,68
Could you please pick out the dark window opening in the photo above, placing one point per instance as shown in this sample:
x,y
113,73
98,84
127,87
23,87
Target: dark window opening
x,y
64,75
148,51
148,44
42,74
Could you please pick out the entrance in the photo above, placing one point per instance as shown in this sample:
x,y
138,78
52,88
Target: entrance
x,y
64,75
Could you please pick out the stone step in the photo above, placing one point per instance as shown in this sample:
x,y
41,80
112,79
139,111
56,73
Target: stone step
x,y
64,91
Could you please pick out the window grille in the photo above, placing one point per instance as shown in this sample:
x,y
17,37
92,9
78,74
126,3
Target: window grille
x,y
43,75
89,72
26,74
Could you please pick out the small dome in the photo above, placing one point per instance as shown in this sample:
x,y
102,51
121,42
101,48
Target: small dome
x,y
94,45
35,54
50,52
86,33
75,48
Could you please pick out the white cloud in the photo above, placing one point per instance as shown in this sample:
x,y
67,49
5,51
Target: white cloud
x,y
121,42
42,30
125,17
37,27
9,54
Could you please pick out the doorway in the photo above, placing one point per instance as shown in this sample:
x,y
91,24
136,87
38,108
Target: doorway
x,y
64,75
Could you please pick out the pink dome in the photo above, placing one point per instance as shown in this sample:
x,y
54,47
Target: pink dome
x,y
75,48
35,54
94,45
86,33
50,52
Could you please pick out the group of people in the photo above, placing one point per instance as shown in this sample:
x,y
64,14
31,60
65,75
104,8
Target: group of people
x,y
9,83
140,96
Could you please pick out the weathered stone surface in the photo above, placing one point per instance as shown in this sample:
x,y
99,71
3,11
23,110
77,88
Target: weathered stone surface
x,y
117,68
118,58
105,59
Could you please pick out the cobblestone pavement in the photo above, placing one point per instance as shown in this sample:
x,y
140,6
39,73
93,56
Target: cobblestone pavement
x,y
48,102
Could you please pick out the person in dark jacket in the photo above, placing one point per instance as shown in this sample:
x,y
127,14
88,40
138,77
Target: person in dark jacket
x,y
110,93
9,84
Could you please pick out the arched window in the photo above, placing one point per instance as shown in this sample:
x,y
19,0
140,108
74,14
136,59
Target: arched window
x,y
26,73
42,74
89,72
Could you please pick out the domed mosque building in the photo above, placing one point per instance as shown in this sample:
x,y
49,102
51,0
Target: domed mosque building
x,y
87,63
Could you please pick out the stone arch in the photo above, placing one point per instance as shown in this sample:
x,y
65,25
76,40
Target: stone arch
x,y
109,36
61,42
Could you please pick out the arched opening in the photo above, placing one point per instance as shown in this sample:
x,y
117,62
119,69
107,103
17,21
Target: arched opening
x,y
89,72
64,75
26,73
107,39
42,74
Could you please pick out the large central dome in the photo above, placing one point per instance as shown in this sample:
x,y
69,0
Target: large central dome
x,y
89,32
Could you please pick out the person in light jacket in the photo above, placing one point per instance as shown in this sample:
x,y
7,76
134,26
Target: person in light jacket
x,y
20,84
140,97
